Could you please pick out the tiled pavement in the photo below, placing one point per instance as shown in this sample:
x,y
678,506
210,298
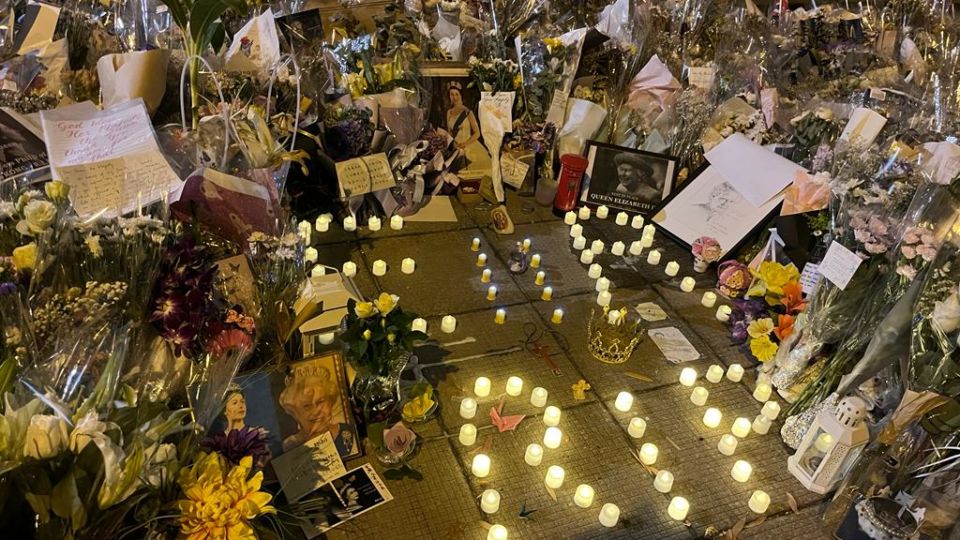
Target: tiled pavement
x,y
596,448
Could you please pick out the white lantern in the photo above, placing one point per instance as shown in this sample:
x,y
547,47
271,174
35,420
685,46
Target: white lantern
x,y
831,446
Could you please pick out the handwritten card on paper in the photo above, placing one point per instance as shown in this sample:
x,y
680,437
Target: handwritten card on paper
x,y
810,277
122,183
863,127
501,105
513,170
366,174
839,265
673,344
702,77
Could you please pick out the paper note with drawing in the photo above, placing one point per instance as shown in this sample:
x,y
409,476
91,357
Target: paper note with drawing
x,y
755,172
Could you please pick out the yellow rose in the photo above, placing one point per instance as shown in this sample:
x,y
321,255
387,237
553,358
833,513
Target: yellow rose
x,y
760,327
25,257
364,310
386,303
367,334
57,190
763,348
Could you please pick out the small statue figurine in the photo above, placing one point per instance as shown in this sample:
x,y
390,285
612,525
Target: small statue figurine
x,y
518,260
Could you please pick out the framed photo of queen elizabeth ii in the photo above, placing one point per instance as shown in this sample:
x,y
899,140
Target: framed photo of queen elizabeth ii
x,y
627,179
453,111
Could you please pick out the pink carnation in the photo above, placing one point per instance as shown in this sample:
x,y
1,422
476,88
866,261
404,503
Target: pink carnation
x,y
908,251
907,271
875,248
927,252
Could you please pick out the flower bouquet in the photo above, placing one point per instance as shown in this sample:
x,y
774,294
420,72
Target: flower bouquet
x,y
765,316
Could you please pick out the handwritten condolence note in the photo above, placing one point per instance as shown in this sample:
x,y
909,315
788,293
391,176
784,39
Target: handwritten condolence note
x,y
110,158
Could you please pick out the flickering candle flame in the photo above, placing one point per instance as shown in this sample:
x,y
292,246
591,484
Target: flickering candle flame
x,y
552,437
551,416
497,532
678,508
712,417
583,497
688,376
741,471
624,402
481,387
481,465
649,453
468,434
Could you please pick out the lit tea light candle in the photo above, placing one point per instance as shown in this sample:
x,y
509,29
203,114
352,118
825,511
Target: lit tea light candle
x,y
637,222
576,230
595,271
526,244
586,257
699,396
535,261
583,497
482,386
603,212
761,424
712,417
551,416
304,230
408,265
609,515
323,225
419,325
735,373
678,508
482,259
603,284
379,268
554,478
823,443
490,501
448,324
579,243
649,453
374,223
569,218
741,471
653,258
622,219
534,455
649,230
597,247
672,268
547,294
500,317
771,410
687,284
604,298
468,434
688,376
481,465
396,223
617,248
727,445
613,317
723,313
310,255
552,437
637,427
759,501
349,223
492,293
557,316
715,373
320,271
636,248
350,269
762,392
327,339
486,275
468,408
475,245
709,299
646,241
741,427
514,385
583,213
497,532
540,278
663,481
624,402
538,398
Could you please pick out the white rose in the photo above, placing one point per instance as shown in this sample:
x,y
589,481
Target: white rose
x,y
46,436
87,430
37,217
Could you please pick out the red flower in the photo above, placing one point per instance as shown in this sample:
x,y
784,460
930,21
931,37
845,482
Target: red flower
x,y
229,339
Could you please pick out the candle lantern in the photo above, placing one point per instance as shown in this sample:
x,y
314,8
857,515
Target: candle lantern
x,y
831,446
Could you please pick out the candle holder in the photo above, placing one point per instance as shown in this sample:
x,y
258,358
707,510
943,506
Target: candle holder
x,y
612,343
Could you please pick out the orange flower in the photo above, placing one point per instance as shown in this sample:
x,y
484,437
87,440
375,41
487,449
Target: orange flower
x,y
792,297
784,326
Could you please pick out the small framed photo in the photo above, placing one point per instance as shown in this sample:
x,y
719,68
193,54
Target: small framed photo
x,y
627,179
249,403
707,205
313,399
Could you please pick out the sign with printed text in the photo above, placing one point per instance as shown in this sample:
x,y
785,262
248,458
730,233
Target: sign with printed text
x,y
839,265
366,174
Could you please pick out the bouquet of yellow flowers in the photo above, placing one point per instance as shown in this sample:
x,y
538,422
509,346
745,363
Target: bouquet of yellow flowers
x,y
765,316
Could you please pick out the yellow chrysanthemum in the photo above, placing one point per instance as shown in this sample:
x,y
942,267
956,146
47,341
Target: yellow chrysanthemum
x,y
220,501
763,348
760,327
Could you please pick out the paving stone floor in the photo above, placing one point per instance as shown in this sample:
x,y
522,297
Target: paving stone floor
x,y
596,449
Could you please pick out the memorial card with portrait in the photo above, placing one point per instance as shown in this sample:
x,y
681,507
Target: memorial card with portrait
x,y
313,399
249,408
308,467
343,499
627,179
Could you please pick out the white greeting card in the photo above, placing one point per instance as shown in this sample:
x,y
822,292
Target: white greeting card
x,y
839,265
755,172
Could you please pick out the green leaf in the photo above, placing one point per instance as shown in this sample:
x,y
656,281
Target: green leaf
x,y
219,37
203,17
375,434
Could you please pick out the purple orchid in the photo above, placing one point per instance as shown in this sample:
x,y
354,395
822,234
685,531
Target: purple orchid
x,y
239,443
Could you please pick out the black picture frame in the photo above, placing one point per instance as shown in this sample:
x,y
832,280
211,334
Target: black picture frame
x,y
692,183
602,184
